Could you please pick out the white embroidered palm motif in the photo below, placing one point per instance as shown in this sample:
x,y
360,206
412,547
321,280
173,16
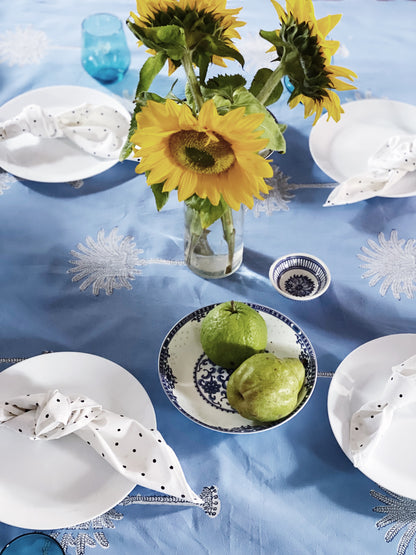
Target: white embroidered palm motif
x,y
400,517
278,197
370,422
393,262
110,262
138,453
93,532
6,179
23,46
90,534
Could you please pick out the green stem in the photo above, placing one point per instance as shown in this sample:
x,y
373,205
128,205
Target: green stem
x,y
229,236
197,242
192,79
271,83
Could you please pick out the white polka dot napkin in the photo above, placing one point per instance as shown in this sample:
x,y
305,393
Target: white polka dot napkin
x,y
385,169
368,424
139,453
98,130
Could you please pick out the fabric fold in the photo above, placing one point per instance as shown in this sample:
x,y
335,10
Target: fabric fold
x,y
385,168
369,423
138,453
98,130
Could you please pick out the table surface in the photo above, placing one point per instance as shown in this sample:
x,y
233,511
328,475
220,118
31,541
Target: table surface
x,y
290,490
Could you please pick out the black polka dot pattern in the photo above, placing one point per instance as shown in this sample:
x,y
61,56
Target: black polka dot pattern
x,y
138,452
386,167
369,422
98,130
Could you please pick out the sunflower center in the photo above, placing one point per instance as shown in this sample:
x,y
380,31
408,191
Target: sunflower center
x,y
194,151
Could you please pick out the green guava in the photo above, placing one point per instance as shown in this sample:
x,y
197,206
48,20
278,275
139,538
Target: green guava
x,y
231,332
265,387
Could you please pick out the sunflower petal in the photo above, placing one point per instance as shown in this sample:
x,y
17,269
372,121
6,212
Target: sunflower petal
x,y
343,72
327,23
187,185
280,11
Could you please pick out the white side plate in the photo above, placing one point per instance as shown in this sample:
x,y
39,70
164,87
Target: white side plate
x,y
341,149
61,160
361,377
60,483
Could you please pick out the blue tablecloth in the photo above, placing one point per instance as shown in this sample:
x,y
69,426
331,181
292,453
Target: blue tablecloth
x,y
290,490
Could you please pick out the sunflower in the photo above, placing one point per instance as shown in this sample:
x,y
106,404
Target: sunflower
x,y
211,156
210,17
306,54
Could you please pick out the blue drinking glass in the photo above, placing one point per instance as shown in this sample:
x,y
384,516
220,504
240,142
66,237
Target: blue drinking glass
x,y
33,543
289,87
105,54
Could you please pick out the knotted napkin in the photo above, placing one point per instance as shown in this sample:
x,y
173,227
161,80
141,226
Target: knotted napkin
x,y
98,130
370,422
138,453
386,167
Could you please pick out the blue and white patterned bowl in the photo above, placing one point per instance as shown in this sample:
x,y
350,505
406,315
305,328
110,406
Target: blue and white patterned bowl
x,y
198,388
300,276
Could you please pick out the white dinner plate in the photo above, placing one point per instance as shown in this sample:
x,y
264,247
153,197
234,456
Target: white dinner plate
x,y
360,378
198,388
341,149
56,484
61,160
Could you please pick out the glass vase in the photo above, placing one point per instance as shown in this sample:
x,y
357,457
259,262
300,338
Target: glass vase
x,y
217,251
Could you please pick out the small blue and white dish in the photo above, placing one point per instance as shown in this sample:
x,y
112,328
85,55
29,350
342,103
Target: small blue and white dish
x,y
300,276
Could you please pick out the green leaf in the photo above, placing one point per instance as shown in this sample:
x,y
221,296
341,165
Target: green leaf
x,y
211,213
151,67
169,39
135,29
208,213
144,97
202,60
260,80
161,197
195,202
224,85
273,37
193,223
127,148
222,104
217,47
271,128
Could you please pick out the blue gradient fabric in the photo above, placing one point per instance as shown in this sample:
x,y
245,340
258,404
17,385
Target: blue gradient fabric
x,y
289,490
